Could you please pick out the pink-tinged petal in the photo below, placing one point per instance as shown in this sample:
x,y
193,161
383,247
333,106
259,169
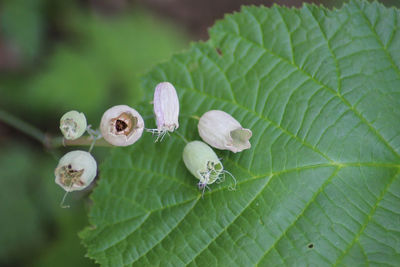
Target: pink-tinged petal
x,y
166,107
121,125
222,131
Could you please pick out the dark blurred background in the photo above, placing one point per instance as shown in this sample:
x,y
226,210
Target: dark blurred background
x,y
86,55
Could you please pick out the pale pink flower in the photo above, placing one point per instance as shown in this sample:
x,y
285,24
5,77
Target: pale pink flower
x,y
121,125
166,109
222,131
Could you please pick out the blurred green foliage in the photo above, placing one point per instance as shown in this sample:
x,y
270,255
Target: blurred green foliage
x,y
70,58
21,211
105,69
98,66
22,24
33,227
95,63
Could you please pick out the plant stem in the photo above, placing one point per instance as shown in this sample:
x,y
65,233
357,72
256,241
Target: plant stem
x,y
43,138
82,141
22,126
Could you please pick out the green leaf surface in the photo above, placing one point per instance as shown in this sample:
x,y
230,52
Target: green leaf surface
x,y
320,185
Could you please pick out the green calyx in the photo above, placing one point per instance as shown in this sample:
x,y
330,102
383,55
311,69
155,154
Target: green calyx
x,y
73,125
202,162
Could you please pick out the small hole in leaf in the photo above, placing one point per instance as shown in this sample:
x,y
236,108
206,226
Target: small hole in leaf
x,y
218,51
311,245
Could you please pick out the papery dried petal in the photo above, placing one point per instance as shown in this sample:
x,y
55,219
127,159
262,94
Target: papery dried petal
x,y
121,125
75,170
220,130
166,108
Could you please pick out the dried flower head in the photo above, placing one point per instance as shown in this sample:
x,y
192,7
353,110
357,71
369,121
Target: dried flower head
x,y
166,109
73,125
203,163
121,125
222,131
75,170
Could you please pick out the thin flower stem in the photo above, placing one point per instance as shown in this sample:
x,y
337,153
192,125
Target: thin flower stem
x,y
22,126
64,197
43,138
82,141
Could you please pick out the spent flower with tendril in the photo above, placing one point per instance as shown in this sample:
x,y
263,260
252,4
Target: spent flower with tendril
x,y
121,125
203,163
75,170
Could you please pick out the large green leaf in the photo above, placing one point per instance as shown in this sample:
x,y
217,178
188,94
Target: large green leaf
x,y
320,186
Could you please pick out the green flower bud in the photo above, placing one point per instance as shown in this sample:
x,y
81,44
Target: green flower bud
x,y
204,164
73,125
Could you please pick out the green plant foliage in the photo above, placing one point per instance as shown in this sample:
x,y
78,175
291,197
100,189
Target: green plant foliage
x,y
21,228
101,68
34,230
320,186
22,22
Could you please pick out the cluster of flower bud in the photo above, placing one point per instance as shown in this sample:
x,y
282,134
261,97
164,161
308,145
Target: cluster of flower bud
x,y
219,130
122,125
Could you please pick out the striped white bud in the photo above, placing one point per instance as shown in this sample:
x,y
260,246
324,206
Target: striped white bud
x,y
166,109
220,130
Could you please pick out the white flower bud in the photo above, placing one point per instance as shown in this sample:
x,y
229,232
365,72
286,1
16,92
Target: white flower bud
x,y
121,125
73,125
166,108
222,131
75,170
203,163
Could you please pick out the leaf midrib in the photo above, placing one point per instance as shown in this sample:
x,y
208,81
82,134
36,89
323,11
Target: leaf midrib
x,y
367,219
267,176
331,90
